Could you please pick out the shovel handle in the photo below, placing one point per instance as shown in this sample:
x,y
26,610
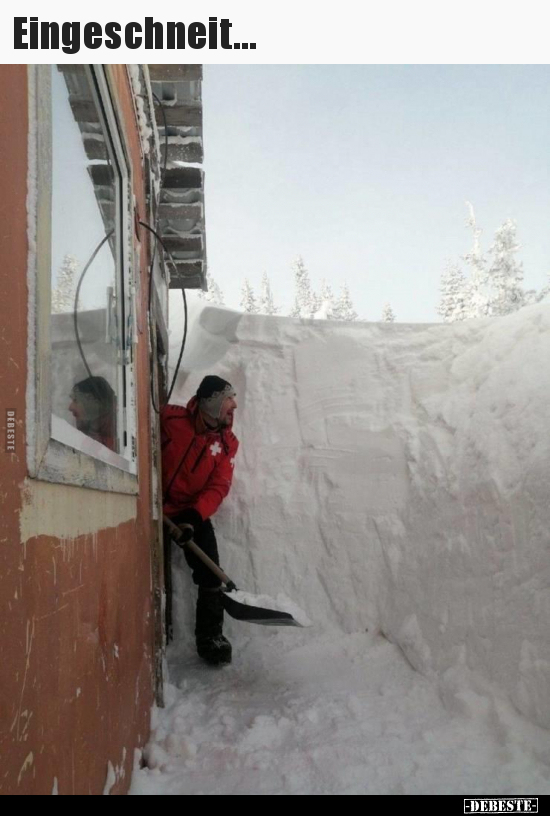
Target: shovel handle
x,y
176,534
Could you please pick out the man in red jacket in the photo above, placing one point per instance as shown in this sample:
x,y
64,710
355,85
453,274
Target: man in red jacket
x,y
198,456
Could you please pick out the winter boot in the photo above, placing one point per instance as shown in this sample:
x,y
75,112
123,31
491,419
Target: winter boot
x,y
212,646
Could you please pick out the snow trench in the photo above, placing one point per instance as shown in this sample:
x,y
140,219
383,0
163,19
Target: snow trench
x,y
393,482
395,478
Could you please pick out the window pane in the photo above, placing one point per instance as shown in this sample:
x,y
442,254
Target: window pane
x,y
85,332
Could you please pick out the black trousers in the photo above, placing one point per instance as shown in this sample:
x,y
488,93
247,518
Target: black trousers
x,y
205,538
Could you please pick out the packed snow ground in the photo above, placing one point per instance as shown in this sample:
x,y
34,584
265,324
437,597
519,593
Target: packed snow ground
x,y
332,714
393,481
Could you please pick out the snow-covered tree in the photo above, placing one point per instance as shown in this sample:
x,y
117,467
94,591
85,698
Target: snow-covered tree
x,y
506,272
248,300
387,314
306,302
266,304
477,299
343,309
327,303
214,295
455,294
64,292
494,286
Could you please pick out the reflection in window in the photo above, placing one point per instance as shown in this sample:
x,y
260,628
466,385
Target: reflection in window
x,y
86,235
93,406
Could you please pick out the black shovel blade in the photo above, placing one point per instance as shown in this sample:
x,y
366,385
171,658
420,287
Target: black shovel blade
x,y
256,614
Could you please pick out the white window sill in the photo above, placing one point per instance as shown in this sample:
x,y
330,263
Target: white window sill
x,y
64,432
73,458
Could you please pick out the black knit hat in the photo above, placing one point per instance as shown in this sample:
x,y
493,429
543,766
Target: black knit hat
x,y
212,392
210,385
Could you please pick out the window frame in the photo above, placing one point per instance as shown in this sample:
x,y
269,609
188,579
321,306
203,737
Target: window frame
x,y
50,454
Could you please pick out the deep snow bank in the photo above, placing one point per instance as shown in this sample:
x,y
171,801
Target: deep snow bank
x,y
396,477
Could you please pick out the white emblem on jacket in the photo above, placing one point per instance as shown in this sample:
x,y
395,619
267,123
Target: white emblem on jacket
x,y
215,448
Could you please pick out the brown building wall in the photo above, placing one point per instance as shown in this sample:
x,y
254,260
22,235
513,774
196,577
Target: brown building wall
x,y
76,617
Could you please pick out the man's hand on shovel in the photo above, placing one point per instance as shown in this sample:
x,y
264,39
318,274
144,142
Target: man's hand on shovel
x,y
188,521
186,531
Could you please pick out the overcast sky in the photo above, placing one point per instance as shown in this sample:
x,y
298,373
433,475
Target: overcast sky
x,y
364,171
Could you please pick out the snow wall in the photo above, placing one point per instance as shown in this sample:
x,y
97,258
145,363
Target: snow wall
x,y
393,477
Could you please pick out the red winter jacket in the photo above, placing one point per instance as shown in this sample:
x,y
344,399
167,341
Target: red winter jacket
x,y
207,458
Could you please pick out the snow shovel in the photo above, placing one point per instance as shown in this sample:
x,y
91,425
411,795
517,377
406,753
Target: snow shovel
x,y
240,605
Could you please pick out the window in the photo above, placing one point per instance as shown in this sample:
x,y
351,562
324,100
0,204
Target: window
x,y
85,352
